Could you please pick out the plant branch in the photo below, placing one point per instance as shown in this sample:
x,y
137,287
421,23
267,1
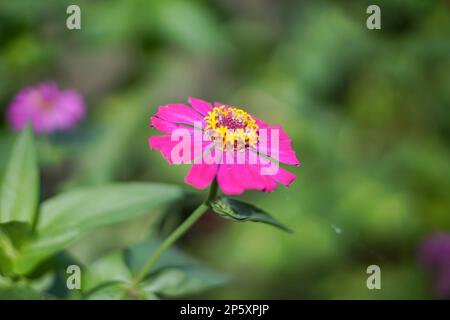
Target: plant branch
x,y
176,234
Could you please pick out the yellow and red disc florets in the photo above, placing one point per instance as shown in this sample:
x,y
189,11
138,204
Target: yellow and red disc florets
x,y
231,128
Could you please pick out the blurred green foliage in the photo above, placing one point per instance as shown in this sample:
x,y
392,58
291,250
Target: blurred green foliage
x,y
367,110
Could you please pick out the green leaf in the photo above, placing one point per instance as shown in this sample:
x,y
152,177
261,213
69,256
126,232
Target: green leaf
x,y
7,254
137,255
57,266
20,189
66,217
110,268
108,278
115,291
12,236
165,279
176,282
18,232
240,211
175,274
120,291
20,292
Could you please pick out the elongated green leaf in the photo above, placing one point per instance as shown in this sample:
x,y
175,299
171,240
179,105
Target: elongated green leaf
x,y
66,217
7,254
12,236
98,206
240,211
20,189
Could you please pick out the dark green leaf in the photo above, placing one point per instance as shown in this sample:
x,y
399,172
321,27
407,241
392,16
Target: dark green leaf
x,y
240,211
20,188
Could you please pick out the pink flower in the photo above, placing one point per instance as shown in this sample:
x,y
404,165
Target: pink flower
x,y
435,250
47,108
434,254
226,143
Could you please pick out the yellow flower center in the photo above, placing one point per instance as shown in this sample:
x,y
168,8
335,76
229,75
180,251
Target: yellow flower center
x,y
231,128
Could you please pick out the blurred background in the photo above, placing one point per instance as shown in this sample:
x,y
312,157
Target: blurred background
x,y
367,110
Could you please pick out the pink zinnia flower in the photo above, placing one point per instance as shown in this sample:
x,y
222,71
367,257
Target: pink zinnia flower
x,y
47,108
225,143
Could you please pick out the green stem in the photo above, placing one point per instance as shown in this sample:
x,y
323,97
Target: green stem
x,y
176,234
212,192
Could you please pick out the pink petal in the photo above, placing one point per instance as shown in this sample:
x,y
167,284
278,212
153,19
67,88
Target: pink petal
x,y
165,145
284,177
179,113
201,175
285,152
166,126
261,124
66,108
201,106
228,180
219,104
266,181
235,179
251,179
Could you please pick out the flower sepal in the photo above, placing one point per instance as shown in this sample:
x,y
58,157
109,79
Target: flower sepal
x,y
241,212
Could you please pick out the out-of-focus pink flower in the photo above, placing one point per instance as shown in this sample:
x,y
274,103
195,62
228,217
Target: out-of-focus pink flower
x,y
226,143
47,108
435,256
